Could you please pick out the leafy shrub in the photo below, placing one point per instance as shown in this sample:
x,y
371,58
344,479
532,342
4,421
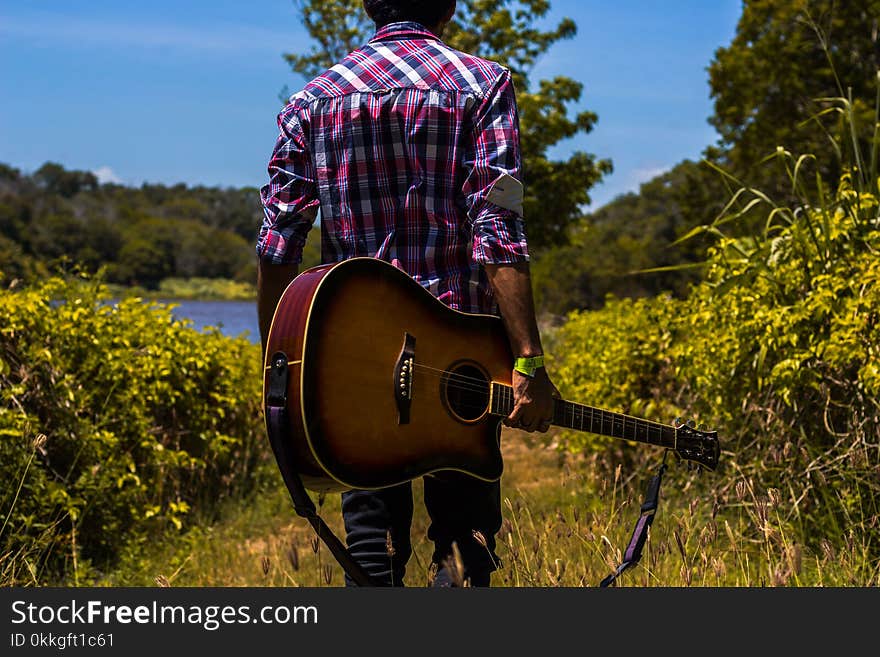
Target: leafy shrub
x,y
117,423
617,358
777,348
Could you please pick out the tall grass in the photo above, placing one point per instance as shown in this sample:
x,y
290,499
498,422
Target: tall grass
x,y
568,518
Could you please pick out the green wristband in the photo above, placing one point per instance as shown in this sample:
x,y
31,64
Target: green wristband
x,y
528,366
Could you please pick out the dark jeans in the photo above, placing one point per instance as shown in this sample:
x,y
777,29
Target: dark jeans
x,y
457,505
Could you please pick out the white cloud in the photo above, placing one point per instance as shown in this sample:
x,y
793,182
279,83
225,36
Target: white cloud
x,y
643,174
107,175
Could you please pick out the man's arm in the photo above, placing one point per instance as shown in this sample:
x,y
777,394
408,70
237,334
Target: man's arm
x,y
493,193
533,396
272,280
290,205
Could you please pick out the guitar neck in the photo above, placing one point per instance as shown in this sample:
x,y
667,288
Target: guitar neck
x,y
580,417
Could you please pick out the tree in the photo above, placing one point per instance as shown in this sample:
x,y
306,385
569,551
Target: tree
x,y
147,255
768,85
56,180
503,30
61,217
785,56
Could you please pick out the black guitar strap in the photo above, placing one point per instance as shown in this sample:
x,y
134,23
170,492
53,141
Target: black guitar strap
x,y
278,428
640,533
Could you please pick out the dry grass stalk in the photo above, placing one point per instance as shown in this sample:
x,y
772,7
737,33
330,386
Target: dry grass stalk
x,y
293,555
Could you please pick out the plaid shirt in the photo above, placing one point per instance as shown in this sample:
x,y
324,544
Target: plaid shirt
x,y
410,150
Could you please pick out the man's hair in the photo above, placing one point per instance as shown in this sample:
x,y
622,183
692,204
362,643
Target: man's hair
x,y
426,12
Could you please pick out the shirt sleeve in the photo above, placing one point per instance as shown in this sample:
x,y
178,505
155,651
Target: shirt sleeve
x,y
493,189
289,199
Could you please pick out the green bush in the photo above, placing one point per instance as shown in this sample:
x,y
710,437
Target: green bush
x,y
617,358
778,350
117,423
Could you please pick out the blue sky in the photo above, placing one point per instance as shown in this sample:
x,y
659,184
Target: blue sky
x,y
187,90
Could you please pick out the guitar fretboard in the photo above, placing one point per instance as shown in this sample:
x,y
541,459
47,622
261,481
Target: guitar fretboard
x,y
581,417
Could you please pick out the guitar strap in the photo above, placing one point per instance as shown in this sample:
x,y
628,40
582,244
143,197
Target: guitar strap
x,y
640,533
278,428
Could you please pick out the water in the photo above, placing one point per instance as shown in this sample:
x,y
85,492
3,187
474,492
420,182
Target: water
x,y
233,318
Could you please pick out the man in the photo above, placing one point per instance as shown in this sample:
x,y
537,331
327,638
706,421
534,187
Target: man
x,y
410,150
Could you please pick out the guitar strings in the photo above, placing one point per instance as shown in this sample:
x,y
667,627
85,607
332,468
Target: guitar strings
x,y
462,381
474,384
466,383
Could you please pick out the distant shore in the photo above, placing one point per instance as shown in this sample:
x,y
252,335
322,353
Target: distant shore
x,y
191,289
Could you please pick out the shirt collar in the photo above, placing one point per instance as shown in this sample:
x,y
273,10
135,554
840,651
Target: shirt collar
x,y
404,30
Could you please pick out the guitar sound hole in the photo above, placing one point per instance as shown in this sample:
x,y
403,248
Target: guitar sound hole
x,y
466,392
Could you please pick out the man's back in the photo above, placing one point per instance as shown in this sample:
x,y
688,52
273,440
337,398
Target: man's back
x,y
413,153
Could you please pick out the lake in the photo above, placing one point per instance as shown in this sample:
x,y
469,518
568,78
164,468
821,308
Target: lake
x,y
233,318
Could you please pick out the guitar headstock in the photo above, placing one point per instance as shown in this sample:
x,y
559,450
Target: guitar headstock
x,y
694,444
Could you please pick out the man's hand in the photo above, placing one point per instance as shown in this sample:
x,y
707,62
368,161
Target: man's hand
x,y
532,402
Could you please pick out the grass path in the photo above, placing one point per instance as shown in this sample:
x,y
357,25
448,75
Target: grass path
x,y
265,544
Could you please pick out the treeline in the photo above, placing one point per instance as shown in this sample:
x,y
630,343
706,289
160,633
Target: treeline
x,y
140,235
628,248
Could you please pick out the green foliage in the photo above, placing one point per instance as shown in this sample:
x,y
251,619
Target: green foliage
x,y
337,27
618,358
775,85
628,248
505,32
771,84
777,348
54,179
117,424
206,289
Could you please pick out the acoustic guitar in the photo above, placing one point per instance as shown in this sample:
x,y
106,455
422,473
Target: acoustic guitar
x,y
383,383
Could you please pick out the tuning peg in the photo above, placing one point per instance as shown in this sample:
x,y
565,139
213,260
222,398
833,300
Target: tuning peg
x,y
678,421
691,424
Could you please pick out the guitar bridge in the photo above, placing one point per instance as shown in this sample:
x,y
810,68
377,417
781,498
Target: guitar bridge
x,y
403,378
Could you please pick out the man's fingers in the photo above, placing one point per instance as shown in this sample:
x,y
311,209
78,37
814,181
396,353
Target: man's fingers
x,y
528,423
513,420
533,407
518,420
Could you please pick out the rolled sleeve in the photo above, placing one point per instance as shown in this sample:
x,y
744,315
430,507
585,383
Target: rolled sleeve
x,y
499,238
493,188
290,201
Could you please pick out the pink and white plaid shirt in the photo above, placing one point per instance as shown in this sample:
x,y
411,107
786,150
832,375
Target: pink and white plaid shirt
x,y
410,149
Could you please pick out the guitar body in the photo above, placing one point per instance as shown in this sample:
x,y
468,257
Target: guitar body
x,y
385,382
